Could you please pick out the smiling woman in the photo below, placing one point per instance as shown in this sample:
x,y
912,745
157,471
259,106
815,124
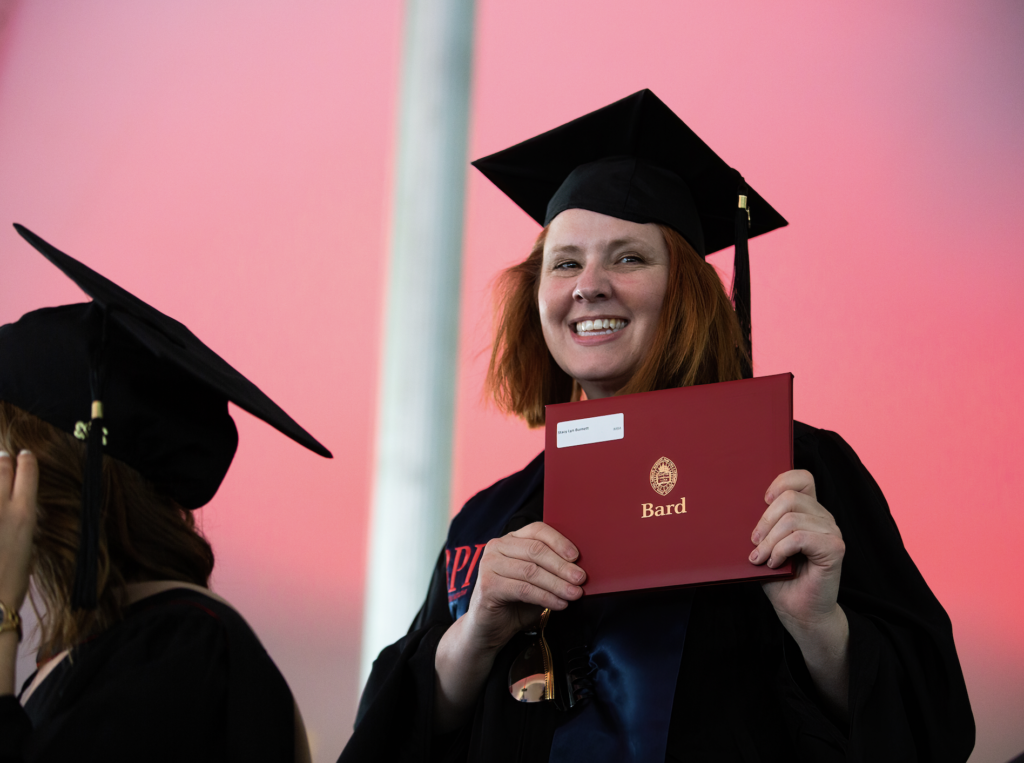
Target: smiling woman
x,y
852,658
599,269
689,336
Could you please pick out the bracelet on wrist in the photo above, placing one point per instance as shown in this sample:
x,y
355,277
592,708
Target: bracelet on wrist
x,y
10,620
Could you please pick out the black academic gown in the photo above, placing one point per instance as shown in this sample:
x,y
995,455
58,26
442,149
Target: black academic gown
x,y
181,678
743,692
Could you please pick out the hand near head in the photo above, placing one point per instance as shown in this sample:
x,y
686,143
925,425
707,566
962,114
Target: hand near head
x,y
19,481
519,575
807,604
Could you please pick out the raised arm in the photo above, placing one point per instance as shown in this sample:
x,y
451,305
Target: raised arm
x,y
807,605
520,574
891,653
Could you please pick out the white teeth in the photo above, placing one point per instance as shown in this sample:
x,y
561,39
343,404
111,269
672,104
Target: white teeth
x,y
600,326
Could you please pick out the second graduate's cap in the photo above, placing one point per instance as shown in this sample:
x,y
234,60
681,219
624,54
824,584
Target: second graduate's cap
x,y
136,385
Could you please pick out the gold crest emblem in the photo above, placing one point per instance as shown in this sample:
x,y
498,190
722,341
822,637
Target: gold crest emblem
x,y
663,476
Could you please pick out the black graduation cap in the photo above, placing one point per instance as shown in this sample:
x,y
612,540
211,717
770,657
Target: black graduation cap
x,y
638,161
138,386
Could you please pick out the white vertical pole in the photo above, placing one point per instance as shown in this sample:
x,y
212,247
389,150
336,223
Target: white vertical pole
x,y
411,489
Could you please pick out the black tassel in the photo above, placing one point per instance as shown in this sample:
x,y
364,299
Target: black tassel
x,y
741,276
83,593
84,588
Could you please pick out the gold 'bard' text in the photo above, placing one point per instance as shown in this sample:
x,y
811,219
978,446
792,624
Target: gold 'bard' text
x,y
650,510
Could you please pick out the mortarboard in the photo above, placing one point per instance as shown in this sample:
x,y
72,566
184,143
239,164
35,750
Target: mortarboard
x,y
138,386
636,160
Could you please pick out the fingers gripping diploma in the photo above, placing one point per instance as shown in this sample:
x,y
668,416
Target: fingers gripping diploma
x,y
795,523
519,575
807,604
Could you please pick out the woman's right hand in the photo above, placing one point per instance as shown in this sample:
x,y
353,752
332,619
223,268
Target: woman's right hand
x,y
519,575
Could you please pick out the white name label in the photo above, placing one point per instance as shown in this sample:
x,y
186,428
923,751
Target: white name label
x,y
587,431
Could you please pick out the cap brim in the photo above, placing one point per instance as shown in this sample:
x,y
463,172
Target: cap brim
x,y
168,339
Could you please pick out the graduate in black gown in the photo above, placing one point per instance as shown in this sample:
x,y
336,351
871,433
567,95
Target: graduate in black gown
x,y
114,425
851,659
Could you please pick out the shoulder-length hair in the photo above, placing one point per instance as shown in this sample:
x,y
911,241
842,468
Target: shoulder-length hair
x,y
144,535
697,340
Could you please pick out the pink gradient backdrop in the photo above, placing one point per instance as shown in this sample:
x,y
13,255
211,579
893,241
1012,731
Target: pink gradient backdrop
x,y
230,163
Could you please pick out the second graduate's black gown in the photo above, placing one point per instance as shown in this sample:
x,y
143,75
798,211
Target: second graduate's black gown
x,y
742,692
181,678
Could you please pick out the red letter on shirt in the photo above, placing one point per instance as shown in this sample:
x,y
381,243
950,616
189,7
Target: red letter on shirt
x,y
472,565
461,554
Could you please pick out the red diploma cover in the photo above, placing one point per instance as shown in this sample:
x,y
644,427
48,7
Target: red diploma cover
x,y
665,488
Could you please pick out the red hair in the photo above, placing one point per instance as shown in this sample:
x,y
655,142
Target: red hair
x,y
697,340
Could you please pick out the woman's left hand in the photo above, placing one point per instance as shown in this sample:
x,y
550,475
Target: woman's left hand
x,y
807,604
795,523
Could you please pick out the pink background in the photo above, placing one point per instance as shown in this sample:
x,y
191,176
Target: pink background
x,y
230,163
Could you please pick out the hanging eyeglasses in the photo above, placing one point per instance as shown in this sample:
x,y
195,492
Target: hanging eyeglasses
x,y
532,675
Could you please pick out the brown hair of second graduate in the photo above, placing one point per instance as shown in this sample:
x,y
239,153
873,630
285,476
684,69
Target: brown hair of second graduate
x,y
697,340
144,535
